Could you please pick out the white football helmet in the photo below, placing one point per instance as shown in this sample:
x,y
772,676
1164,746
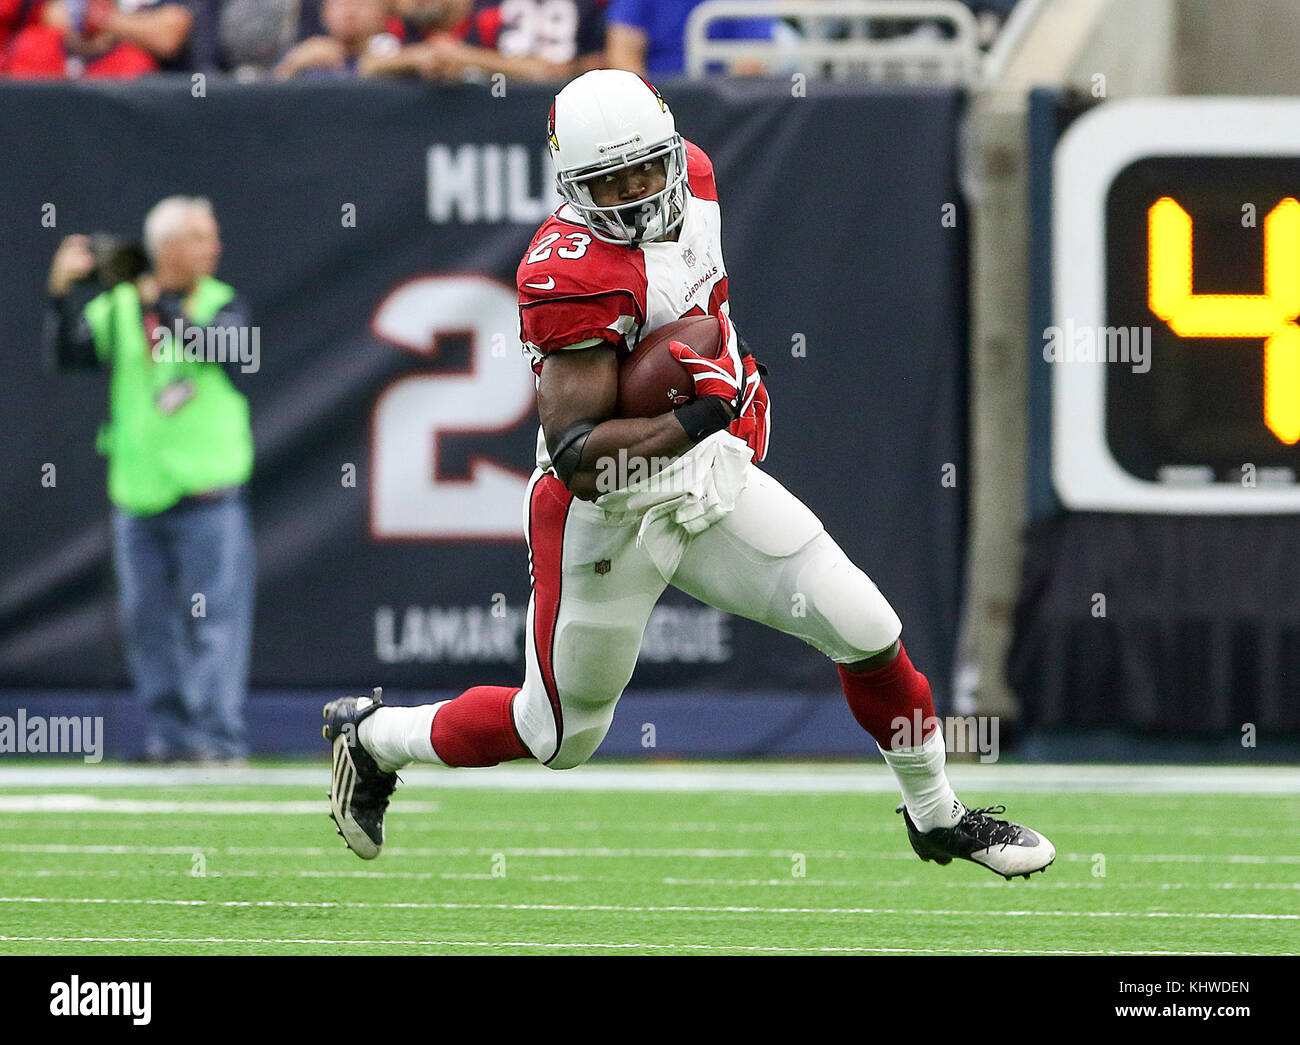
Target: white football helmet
x,y
605,121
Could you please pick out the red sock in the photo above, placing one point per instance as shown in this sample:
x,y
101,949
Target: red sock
x,y
895,691
477,729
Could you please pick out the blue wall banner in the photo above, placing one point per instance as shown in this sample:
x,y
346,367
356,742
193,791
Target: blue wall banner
x,y
375,229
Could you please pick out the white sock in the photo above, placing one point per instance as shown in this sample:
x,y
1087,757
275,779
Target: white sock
x,y
396,736
927,794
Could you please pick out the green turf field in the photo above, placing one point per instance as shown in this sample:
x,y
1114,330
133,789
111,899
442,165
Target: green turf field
x,y
665,859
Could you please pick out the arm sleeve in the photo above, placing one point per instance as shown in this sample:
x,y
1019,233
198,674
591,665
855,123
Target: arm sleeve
x,y
67,341
234,313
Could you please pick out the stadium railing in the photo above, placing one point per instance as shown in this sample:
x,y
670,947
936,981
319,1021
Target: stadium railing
x,y
948,55
1014,32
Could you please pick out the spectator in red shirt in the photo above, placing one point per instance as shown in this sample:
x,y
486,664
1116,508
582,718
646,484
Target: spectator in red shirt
x,y
15,15
95,38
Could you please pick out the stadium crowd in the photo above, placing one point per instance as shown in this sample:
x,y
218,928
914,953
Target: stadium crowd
x,y
440,40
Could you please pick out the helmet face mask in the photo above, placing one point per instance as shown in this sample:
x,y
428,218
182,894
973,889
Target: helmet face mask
x,y
643,220
608,122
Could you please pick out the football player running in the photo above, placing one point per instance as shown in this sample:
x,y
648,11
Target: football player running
x,y
636,245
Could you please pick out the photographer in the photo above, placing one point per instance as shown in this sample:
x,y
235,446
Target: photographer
x,y
179,452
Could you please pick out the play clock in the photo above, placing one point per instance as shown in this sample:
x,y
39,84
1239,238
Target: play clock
x,y
1174,347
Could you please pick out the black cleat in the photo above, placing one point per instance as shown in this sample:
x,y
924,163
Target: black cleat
x,y
359,789
1003,847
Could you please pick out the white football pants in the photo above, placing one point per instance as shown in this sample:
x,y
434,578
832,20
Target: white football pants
x,y
769,560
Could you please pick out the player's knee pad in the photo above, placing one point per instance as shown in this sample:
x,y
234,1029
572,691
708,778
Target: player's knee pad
x,y
579,730
579,736
594,660
592,663
855,619
581,744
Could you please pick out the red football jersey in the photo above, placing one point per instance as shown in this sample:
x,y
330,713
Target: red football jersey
x,y
574,287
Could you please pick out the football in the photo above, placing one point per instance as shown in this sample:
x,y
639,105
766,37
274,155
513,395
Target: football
x,y
651,381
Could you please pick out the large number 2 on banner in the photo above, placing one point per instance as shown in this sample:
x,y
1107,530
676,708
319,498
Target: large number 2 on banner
x,y
408,499
1270,315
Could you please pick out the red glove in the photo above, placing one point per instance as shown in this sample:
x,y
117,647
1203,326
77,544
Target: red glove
x,y
753,424
723,377
735,377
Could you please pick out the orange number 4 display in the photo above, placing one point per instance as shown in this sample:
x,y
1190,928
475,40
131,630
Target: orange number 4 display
x,y
1271,315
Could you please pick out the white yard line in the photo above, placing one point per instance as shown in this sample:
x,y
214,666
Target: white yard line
x,y
776,778
594,851
421,851
964,883
79,803
553,946
1192,858
912,912
75,803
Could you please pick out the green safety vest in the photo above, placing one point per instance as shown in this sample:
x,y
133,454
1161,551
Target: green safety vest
x,y
155,459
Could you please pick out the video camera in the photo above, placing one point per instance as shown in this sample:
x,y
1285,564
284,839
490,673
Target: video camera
x,y
116,261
